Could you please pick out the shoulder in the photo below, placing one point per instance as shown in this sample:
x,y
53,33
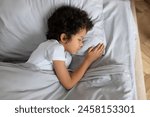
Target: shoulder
x,y
59,47
54,45
55,51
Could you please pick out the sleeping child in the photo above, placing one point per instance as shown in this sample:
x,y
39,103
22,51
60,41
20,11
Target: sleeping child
x,y
67,27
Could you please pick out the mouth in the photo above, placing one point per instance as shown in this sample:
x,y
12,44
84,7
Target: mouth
x,y
75,51
79,48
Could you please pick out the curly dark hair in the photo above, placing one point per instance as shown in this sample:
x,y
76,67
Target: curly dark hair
x,y
69,20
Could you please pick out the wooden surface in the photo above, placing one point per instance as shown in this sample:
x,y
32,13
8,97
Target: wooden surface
x,y
140,85
143,18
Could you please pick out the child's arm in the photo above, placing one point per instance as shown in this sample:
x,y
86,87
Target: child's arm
x,y
67,80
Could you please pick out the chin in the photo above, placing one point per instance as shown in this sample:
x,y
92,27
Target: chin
x,y
73,52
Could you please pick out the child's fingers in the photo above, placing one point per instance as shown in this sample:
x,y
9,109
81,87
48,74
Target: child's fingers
x,y
90,49
99,47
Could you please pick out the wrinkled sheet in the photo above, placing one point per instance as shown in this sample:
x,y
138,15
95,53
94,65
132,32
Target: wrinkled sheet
x,y
25,81
109,78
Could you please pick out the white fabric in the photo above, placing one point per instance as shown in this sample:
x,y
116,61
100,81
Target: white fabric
x,y
23,25
48,51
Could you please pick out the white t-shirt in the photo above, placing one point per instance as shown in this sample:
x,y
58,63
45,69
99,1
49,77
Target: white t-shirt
x,y
48,51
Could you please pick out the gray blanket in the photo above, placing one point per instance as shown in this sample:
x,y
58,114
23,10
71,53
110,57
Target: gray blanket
x,y
25,81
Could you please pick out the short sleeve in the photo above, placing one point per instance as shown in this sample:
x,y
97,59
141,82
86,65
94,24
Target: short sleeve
x,y
56,53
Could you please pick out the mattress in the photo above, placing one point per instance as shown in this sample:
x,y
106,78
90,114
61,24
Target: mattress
x,y
109,78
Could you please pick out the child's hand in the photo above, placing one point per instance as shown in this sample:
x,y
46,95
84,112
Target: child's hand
x,y
95,52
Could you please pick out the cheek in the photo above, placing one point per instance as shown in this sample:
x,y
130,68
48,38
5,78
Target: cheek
x,y
72,44
73,47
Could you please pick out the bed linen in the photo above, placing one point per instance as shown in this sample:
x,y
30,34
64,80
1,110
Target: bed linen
x,y
24,24
109,78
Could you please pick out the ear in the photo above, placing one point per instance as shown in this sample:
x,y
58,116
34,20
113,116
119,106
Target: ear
x,y
63,38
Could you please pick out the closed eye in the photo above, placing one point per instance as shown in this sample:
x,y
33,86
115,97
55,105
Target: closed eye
x,y
80,40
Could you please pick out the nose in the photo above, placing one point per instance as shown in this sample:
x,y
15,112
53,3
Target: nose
x,y
81,44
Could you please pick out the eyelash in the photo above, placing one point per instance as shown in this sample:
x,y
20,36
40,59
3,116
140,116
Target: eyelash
x,y
80,39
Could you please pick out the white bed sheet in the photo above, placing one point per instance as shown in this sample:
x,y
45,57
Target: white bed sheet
x,y
120,23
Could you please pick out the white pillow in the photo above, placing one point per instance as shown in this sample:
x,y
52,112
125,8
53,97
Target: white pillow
x,y
95,10
23,25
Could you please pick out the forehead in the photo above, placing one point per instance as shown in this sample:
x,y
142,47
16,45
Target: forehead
x,y
81,33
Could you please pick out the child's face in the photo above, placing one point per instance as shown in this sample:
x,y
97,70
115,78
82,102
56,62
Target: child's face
x,y
76,42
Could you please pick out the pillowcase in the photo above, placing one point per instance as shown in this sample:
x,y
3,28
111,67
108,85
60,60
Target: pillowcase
x,y
23,25
97,35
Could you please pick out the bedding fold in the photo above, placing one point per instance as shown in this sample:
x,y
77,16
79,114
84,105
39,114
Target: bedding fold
x,y
25,81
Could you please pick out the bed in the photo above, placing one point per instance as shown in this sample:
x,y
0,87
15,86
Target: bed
x,y
139,76
116,76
